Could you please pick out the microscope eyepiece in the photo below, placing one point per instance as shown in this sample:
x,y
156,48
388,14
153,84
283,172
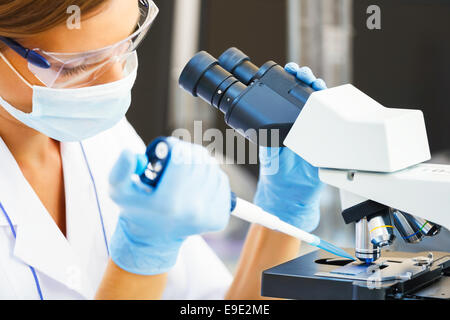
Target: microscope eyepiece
x,y
235,61
261,103
194,71
203,77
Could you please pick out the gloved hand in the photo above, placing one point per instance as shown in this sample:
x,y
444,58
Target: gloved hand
x,y
192,197
288,186
305,75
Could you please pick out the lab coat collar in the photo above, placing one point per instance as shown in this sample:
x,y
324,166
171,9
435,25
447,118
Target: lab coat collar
x,y
39,242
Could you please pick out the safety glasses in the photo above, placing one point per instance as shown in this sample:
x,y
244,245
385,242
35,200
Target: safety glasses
x,y
73,70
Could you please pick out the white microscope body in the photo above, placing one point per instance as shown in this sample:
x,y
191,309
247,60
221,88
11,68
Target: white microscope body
x,y
372,153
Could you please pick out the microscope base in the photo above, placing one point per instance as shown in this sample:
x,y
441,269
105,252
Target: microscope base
x,y
400,275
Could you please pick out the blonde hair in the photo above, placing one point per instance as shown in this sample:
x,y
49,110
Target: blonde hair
x,y
22,18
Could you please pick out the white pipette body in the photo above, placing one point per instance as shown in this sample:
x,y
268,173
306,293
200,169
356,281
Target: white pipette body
x,y
249,212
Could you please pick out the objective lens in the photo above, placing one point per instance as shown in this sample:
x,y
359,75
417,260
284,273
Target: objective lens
x,y
426,227
364,248
381,230
407,226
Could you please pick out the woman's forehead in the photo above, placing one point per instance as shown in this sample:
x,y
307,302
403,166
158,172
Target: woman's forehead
x,y
111,23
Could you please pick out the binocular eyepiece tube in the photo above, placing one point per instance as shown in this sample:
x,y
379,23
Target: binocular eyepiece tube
x,y
203,77
263,103
237,63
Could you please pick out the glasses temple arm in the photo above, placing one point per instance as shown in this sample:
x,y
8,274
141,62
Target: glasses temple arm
x,y
30,55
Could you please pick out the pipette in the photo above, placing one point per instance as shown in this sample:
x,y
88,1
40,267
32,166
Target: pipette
x,y
249,212
158,154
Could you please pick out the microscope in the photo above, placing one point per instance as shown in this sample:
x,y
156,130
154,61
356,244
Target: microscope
x,y
374,155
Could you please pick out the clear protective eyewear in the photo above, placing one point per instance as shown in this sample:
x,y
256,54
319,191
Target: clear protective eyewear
x,y
74,70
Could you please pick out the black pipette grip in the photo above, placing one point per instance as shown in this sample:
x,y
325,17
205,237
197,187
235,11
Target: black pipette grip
x,y
158,154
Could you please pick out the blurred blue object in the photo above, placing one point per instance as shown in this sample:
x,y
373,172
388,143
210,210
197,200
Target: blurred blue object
x,y
193,197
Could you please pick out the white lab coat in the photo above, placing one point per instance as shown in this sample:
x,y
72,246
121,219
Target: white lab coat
x,y
72,267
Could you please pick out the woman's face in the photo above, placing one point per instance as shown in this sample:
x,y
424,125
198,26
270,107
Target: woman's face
x,y
107,25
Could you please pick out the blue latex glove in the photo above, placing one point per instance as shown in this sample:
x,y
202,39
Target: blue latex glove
x,y
192,197
288,186
306,75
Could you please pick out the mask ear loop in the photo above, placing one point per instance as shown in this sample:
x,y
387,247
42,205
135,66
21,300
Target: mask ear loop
x,y
15,70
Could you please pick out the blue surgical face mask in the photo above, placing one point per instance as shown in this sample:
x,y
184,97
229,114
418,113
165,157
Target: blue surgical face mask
x,y
77,114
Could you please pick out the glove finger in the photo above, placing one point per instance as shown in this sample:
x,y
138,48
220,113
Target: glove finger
x,y
292,68
319,85
123,170
180,166
306,75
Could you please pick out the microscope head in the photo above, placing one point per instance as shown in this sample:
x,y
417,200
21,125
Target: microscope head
x,y
343,128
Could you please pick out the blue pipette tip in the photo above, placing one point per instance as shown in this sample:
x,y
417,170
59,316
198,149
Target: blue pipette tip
x,y
334,250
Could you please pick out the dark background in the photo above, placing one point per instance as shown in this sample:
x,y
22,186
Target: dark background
x,y
405,65
151,92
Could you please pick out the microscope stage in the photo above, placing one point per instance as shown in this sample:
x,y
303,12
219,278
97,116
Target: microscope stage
x,y
400,275
384,269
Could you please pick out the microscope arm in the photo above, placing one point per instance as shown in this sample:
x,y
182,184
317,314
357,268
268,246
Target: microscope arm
x,y
372,152
422,190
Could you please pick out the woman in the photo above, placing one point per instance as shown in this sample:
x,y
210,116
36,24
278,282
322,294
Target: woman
x,y
64,93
